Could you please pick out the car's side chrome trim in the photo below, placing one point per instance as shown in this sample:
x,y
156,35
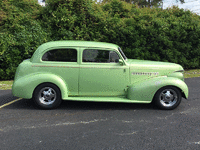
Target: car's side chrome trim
x,y
102,68
54,66
78,67
146,73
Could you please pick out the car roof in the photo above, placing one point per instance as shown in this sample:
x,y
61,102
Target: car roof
x,y
71,43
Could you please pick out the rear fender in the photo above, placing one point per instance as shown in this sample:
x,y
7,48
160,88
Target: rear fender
x,y
145,90
25,86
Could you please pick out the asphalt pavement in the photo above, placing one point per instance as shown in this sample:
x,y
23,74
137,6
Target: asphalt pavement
x,y
100,126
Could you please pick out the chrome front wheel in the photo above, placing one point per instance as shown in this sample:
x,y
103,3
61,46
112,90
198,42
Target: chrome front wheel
x,y
168,97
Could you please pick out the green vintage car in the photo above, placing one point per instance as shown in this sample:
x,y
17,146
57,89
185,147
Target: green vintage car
x,y
96,71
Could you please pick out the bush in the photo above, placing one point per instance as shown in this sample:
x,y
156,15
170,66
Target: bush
x,y
143,33
155,34
20,34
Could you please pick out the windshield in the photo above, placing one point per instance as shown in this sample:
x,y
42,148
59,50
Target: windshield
x,y
122,53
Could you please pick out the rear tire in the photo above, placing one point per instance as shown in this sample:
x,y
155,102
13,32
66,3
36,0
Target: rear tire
x,y
168,98
47,96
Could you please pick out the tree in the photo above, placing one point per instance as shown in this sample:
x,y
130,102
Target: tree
x,y
144,3
20,34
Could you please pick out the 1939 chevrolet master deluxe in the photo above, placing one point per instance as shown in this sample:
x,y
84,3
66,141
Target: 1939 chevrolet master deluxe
x,y
96,71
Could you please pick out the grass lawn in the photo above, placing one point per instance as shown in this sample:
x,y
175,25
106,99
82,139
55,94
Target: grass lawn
x,y
192,73
6,85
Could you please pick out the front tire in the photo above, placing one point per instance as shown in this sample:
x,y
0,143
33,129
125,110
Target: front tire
x,y
47,96
168,98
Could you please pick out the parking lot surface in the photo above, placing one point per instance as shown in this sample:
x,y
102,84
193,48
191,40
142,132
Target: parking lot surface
x,y
100,126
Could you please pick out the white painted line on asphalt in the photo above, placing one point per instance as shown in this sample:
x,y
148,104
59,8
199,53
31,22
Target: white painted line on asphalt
x,y
10,103
47,125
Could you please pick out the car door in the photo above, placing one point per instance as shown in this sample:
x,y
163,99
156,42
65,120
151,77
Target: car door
x,y
63,62
101,74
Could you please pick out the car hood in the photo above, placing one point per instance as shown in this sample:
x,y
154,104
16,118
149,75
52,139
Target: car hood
x,y
153,65
144,69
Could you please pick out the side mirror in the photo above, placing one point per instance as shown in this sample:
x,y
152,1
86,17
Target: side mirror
x,y
121,62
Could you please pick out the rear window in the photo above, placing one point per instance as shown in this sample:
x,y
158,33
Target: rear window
x,y
61,55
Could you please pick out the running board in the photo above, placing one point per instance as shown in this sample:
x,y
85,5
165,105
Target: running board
x,y
106,99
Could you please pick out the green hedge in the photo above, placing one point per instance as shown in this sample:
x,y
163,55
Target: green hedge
x,y
20,34
143,33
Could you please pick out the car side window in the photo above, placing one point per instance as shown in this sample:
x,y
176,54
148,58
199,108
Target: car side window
x,y
114,57
100,56
63,55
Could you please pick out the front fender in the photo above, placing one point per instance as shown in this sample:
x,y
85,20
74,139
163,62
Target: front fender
x,y
25,86
145,90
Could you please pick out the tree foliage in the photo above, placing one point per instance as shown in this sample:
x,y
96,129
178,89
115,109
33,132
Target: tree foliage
x,y
143,33
143,3
20,34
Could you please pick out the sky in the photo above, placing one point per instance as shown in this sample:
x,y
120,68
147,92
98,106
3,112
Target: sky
x,y
41,3
192,5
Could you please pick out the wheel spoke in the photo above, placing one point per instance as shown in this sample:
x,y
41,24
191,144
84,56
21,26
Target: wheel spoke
x,y
42,98
47,95
168,97
162,95
44,92
50,91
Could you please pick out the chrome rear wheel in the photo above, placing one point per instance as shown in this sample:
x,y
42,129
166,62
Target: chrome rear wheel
x,y
47,96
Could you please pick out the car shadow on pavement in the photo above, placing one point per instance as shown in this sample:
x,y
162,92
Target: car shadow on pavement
x,y
76,105
104,105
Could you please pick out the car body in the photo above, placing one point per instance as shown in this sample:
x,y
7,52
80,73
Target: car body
x,y
96,71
